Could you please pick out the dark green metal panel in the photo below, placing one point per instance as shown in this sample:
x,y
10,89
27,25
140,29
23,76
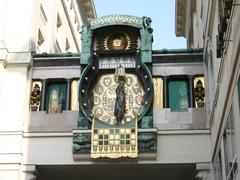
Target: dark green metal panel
x,y
86,45
147,122
116,19
178,95
146,41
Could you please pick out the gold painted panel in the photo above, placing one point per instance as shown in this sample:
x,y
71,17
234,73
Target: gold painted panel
x,y
74,104
158,92
199,92
36,94
115,142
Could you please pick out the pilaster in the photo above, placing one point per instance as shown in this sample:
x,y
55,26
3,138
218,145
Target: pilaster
x,y
28,172
9,171
3,60
43,95
68,94
191,97
165,99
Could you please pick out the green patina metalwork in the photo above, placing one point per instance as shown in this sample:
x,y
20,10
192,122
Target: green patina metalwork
x,y
146,40
116,19
81,142
86,39
178,95
147,122
183,50
147,142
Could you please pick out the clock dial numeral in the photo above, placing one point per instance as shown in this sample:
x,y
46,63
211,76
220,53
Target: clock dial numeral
x,y
112,63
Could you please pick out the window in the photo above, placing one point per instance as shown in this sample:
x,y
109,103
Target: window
x,y
57,47
224,12
56,97
40,37
74,105
59,21
158,92
229,148
43,14
60,38
178,94
67,47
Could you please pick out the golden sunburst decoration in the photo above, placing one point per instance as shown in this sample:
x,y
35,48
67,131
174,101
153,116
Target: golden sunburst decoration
x,y
117,41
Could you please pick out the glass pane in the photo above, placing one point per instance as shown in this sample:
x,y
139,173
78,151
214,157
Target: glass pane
x,y
158,92
74,96
199,92
178,95
36,95
229,145
56,98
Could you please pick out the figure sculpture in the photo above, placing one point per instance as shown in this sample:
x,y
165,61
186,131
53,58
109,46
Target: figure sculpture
x,y
120,101
120,106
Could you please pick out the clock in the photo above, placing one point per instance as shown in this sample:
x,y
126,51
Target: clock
x,y
104,94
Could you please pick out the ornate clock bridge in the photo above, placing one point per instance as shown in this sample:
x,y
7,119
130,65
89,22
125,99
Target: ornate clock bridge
x,y
141,112
116,90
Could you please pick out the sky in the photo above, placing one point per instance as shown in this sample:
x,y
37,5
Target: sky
x,y
162,13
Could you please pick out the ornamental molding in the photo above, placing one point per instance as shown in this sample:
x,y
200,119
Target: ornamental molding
x,y
116,19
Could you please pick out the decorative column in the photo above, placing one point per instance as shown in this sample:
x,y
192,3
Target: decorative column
x,y
43,95
3,61
191,97
68,94
165,100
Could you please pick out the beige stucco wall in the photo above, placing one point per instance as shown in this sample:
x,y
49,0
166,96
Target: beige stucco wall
x,y
19,22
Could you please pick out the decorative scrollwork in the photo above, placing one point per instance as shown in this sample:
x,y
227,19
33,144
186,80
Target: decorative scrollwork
x,y
35,96
199,94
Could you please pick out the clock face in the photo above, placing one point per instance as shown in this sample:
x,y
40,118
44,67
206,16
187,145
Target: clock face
x,y
104,94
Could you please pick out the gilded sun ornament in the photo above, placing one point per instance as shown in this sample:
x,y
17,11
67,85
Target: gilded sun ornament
x,y
117,41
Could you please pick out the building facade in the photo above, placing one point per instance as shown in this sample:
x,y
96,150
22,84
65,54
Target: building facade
x,y
28,27
57,135
214,25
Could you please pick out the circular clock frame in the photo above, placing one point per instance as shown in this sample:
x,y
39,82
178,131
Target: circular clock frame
x,y
104,95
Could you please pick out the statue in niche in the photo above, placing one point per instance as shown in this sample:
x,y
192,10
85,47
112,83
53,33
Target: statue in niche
x,y
120,104
35,98
147,23
54,106
199,93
